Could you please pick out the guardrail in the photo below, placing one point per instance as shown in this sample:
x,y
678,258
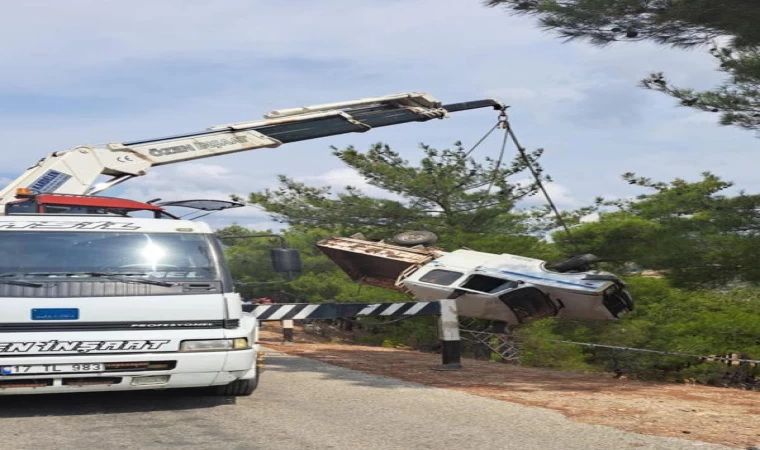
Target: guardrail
x,y
446,310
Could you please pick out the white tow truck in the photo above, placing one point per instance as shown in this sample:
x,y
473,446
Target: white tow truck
x,y
96,296
92,303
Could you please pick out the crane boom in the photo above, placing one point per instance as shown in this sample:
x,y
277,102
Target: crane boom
x,y
76,171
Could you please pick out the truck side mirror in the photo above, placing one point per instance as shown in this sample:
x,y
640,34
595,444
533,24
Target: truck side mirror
x,y
286,260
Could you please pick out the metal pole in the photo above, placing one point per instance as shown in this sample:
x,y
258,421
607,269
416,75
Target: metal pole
x,y
287,330
451,345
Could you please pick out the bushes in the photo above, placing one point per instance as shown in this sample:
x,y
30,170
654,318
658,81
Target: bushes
x,y
538,353
695,321
667,319
417,333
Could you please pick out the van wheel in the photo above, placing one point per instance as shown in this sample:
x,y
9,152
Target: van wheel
x,y
238,388
415,238
580,263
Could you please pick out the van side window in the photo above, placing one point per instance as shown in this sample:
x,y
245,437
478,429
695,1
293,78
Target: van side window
x,y
529,303
440,277
489,285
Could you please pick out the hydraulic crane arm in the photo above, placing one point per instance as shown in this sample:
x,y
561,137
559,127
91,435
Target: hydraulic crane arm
x,y
75,171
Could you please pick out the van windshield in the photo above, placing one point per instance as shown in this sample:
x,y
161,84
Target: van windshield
x,y
154,255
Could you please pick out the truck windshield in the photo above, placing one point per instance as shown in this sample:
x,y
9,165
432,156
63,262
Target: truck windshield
x,y
156,255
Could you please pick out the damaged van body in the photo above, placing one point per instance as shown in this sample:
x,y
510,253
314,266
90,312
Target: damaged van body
x,y
502,288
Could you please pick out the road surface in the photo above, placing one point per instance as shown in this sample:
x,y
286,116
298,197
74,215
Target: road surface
x,y
303,404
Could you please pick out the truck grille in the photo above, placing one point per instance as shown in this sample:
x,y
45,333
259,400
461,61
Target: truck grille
x,y
140,366
90,381
28,383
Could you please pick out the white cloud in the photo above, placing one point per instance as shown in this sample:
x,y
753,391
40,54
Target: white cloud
x,y
338,179
76,75
593,217
367,33
560,195
202,181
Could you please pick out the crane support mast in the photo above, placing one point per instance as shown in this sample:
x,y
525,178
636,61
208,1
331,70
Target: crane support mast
x,y
76,171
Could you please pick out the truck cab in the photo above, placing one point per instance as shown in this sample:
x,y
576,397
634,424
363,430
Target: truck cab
x,y
96,300
81,205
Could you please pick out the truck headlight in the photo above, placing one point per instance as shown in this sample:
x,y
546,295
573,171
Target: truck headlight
x,y
214,345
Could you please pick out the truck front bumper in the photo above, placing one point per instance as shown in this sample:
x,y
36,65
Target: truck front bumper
x,y
131,372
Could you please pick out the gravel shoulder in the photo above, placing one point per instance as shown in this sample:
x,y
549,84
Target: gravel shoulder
x,y
302,403
698,413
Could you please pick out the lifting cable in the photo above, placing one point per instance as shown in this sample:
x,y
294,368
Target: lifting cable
x,y
467,154
503,123
482,139
498,162
496,168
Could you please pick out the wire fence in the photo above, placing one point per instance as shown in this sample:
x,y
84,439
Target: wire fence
x,y
728,359
479,341
728,370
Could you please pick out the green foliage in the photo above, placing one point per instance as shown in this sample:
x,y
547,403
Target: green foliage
x,y
447,191
666,319
516,244
737,99
419,333
248,259
316,207
701,322
684,24
538,353
691,230
700,238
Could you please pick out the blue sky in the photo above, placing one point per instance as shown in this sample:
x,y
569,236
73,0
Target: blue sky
x,y
83,72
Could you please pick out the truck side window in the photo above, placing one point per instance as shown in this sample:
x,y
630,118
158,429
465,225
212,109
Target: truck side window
x,y
25,207
440,277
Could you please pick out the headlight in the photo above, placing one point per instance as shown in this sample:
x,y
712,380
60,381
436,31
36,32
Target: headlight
x,y
214,345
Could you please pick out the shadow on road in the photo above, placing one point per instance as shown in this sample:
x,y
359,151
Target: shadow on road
x,y
98,403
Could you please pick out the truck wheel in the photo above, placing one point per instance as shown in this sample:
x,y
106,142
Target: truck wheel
x,y
415,238
578,263
238,388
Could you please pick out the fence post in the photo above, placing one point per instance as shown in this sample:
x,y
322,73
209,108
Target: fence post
x,y
287,330
451,345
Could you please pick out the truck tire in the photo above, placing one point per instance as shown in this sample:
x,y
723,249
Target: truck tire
x,y
411,238
238,388
578,263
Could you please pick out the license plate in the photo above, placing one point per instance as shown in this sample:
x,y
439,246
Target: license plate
x,y
51,368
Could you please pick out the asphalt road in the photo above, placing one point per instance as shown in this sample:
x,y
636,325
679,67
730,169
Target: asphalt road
x,y
303,404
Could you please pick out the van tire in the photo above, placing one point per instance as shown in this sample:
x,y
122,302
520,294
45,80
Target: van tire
x,y
238,388
580,263
410,238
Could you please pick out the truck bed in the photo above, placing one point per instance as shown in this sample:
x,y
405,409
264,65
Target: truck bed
x,y
374,263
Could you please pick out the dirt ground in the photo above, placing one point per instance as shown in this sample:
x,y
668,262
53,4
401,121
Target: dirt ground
x,y
717,415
